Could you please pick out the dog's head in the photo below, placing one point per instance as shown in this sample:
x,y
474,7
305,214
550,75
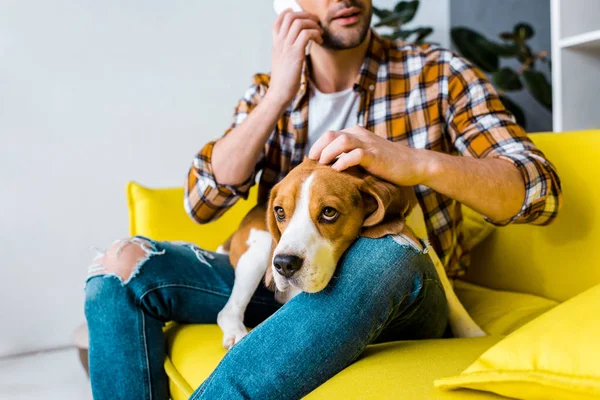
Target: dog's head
x,y
315,213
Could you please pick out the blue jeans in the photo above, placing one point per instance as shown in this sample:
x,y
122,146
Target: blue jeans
x,y
381,291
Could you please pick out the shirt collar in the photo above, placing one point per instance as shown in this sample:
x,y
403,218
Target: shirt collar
x,y
367,77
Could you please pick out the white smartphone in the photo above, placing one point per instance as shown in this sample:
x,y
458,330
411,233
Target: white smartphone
x,y
282,5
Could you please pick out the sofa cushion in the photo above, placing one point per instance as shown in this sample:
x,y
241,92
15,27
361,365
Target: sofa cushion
x,y
159,214
500,312
392,370
553,357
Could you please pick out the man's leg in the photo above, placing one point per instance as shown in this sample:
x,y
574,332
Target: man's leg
x,y
382,290
133,289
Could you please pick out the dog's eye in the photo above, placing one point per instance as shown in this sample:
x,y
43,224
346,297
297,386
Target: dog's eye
x,y
329,214
279,214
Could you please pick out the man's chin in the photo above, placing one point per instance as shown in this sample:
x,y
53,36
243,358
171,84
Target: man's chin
x,y
344,37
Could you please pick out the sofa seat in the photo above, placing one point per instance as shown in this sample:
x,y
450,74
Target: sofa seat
x,y
392,370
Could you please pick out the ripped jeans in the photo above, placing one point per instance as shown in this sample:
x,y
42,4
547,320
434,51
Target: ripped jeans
x,y
383,290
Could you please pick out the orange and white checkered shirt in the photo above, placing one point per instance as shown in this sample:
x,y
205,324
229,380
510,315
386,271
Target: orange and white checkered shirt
x,y
422,96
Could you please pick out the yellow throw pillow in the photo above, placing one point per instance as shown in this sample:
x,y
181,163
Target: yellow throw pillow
x,y
159,215
556,356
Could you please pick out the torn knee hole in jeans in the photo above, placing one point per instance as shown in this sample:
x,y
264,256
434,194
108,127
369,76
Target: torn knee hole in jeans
x,y
123,260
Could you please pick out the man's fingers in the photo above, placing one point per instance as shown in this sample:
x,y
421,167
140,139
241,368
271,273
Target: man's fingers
x,y
279,21
289,19
306,36
299,26
321,143
344,143
355,157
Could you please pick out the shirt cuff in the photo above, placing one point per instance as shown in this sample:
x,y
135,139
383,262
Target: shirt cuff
x,y
203,164
533,179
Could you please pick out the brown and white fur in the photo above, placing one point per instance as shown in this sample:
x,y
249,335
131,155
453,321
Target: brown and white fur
x,y
314,214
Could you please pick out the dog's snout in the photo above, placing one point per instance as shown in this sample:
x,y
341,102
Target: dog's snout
x,y
287,264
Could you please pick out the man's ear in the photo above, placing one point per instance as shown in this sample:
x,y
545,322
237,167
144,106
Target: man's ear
x,y
386,207
271,222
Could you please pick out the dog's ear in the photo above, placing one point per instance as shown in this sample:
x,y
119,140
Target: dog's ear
x,y
386,207
271,222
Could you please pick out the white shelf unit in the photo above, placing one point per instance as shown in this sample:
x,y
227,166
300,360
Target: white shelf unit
x,y
576,64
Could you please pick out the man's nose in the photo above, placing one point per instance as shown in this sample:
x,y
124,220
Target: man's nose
x,y
287,264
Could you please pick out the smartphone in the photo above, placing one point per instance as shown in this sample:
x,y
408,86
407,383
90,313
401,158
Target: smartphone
x,y
282,5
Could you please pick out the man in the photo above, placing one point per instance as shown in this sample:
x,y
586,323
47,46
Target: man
x,y
411,115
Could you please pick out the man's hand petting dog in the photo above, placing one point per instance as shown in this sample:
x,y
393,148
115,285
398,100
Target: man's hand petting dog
x,y
393,162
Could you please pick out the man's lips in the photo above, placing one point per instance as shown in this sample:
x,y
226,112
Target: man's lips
x,y
347,16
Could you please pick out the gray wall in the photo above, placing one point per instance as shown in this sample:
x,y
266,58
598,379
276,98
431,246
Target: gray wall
x,y
93,94
492,17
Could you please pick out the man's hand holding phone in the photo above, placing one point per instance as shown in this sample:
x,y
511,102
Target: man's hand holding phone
x,y
292,31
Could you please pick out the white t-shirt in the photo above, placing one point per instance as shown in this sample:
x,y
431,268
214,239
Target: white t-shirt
x,y
330,112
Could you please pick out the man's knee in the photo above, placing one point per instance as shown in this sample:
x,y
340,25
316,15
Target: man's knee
x,y
123,259
381,261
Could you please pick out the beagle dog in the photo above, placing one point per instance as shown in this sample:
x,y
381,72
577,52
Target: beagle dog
x,y
314,214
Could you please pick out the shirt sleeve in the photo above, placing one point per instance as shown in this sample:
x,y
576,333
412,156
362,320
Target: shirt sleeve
x,y
205,199
479,126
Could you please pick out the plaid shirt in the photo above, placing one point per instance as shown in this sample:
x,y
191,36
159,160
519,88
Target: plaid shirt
x,y
422,96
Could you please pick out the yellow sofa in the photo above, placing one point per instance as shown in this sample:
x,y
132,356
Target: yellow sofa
x,y
518,273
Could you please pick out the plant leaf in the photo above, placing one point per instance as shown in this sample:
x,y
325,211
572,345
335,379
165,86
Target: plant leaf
x,y
392,20
422,33
475,48
502,50
524,31
515,110
539,87
507,80
380,12
407,9
404,34
508,36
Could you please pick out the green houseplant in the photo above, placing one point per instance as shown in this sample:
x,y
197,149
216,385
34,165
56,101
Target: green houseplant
x,y
401,14
483,53
486,55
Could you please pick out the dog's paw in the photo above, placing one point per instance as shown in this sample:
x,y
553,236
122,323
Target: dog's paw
x,y
232,325
230,339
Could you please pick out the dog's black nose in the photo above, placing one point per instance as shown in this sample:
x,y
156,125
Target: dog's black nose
x,y
287,264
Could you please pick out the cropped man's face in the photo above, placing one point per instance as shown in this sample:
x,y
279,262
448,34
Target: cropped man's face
x,y
345,23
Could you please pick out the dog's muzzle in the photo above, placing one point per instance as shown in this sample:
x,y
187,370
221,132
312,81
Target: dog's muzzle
x,y
287,264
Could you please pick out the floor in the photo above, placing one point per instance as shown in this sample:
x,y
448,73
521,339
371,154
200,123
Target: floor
x,y
50,375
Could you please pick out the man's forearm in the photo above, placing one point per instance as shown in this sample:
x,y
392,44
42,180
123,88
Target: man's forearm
x,y
492,187
235,155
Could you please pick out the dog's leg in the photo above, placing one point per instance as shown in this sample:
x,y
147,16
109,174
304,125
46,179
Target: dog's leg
x,y
249,272
461,323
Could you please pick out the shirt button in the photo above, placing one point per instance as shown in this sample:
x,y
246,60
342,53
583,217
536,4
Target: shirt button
x,y
371,87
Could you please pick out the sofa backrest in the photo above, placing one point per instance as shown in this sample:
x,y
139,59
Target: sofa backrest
x,y
556,261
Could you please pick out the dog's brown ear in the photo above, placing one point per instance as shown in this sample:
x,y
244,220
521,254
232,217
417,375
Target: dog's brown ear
x,y
386,207
271,222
